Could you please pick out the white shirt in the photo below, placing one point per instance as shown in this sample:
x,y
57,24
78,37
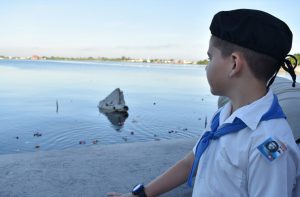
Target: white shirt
x,y
233,165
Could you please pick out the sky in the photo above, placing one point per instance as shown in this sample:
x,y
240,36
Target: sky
x,y
167,29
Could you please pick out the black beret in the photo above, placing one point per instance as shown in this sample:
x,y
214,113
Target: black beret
x,y
255,30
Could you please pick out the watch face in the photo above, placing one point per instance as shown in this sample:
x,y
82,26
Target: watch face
x,y
137,189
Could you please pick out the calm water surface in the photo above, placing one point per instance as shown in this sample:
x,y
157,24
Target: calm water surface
x,y
165,102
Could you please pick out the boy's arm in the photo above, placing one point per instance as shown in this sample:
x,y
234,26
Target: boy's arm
x,y
173,177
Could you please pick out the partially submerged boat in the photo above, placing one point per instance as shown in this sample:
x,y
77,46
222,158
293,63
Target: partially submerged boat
x,y
114,102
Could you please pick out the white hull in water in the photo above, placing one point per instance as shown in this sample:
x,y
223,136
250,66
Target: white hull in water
x,y
114,102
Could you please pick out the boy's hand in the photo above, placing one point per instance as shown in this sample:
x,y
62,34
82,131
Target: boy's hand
x,y
115,194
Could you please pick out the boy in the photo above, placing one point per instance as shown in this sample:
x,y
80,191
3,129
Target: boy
x,y
249,149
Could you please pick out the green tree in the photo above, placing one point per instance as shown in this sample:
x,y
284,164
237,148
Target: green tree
x,y
297,55
203,62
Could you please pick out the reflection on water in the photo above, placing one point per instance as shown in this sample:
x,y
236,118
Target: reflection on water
x,y
117,119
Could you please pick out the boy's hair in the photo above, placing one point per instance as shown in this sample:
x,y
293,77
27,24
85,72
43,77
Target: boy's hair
x,y
262,66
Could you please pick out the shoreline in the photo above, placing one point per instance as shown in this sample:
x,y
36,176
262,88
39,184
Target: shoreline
x,y
91,171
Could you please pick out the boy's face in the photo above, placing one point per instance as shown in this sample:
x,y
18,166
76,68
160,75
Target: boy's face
x,y
217,71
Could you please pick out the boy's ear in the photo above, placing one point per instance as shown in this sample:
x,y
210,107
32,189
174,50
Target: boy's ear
x,y
237,61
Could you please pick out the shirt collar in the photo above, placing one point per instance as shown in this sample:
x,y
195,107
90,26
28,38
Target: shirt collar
x,y
249,114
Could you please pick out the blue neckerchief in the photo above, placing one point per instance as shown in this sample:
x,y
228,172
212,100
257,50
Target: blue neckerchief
x,y
274,112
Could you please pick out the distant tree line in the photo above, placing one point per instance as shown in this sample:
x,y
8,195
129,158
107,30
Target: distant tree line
x,y
203,62
297,55
123,58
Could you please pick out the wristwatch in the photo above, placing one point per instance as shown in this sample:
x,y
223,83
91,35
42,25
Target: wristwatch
x,y
139,190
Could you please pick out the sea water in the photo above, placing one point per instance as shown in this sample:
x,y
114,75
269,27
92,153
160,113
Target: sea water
x,y
52,105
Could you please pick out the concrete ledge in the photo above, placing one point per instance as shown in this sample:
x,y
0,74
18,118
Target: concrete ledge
x,y
90,171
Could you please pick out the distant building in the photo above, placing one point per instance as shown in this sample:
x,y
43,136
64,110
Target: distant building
x,y
35,57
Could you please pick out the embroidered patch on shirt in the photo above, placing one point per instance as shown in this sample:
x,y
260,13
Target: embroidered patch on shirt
x,y
272,148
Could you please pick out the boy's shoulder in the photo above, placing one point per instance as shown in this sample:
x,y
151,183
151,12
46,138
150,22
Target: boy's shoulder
x,y
272,139
277,128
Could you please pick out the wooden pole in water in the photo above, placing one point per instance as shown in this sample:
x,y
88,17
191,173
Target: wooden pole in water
x,y
56,106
